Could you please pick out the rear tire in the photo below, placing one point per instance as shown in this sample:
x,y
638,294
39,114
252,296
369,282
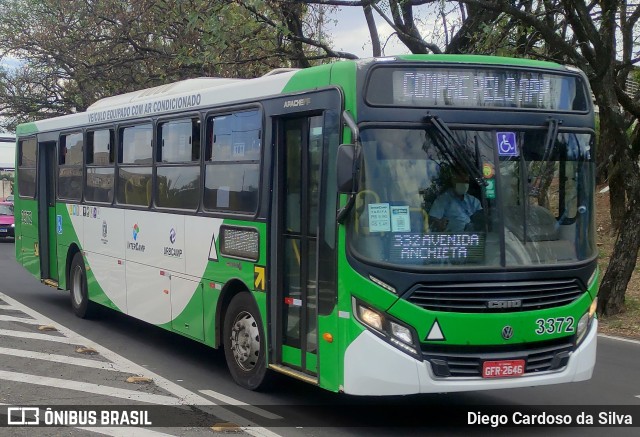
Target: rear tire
x,y
244,343
80,303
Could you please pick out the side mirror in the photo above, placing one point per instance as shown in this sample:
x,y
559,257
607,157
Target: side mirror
x,y
345,171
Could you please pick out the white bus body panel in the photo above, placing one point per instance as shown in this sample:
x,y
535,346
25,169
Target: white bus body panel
x,y
374,367
134,255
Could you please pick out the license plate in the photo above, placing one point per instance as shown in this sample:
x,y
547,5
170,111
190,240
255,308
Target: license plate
x,y
502,368
3,230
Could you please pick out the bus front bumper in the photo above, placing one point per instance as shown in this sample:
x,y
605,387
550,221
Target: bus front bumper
x,y
373,367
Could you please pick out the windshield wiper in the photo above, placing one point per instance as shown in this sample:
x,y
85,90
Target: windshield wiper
x,y
549,142
447,144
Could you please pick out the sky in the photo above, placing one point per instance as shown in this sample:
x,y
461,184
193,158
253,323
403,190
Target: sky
x,y
350,32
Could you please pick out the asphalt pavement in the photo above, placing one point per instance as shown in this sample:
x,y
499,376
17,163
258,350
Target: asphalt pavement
x,y
50,358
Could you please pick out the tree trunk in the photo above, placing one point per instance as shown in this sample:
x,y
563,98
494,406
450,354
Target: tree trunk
x,y
373,29
627,179
616,196
623,260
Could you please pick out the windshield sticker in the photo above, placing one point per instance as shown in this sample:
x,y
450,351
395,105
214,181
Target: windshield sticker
x,y
400,221
379,217
490,189
507,145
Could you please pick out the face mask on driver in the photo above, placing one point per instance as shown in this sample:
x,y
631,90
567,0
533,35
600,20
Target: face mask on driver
x,y
461,188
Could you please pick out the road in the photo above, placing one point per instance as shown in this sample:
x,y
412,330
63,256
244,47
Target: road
x,y
186,372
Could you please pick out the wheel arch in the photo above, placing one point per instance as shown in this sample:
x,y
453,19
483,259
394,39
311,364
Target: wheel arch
x,y
229,291
71,253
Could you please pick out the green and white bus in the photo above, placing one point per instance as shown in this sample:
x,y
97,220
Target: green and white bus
x,y
288,220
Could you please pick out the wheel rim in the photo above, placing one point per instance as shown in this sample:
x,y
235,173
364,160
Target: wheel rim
x,y
245,341
76,286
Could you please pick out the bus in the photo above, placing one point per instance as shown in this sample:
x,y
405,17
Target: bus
x,y
289,220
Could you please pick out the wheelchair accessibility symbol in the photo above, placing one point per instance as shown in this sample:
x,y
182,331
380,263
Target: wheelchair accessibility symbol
x,y
507,145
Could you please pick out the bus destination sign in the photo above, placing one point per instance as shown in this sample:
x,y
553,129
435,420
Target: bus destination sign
x,y
437,247
475,87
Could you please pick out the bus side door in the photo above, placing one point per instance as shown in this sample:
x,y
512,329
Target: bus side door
x,y
303,295
46,200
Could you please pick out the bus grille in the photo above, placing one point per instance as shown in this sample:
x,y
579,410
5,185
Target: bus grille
x,y
496,297
554,356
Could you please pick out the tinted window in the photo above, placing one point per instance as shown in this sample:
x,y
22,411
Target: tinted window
x,y
70,149
70,182
232,176
179,141
134,186
178,187
136,143
28,153
100,147
27,182
70,152
232,187
99,186
27,168
236,137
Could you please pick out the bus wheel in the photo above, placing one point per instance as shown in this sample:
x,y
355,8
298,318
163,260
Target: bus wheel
x,y
244,345
80,303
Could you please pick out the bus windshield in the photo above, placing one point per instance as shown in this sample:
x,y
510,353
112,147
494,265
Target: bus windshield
x,y
527,201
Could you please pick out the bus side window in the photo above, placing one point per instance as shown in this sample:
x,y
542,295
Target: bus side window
x,y
233,151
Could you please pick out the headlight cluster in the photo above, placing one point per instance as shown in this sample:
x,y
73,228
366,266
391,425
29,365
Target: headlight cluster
x,y
585,320
389,329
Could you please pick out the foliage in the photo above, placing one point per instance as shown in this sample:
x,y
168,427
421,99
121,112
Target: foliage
x,y
75,52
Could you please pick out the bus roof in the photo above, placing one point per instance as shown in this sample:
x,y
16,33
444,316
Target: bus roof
x,y
183,86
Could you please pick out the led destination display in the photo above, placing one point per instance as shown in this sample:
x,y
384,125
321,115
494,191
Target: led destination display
x,y
435,247
475,87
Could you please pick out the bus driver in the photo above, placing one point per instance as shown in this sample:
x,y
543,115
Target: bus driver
x,y
452,210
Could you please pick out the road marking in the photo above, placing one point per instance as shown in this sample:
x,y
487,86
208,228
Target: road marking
x,y
35,336
185,397
231,401
626,340
18,319
87,387
8,307
102,365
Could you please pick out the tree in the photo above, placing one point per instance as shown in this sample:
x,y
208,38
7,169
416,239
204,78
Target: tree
x,y
598,37
75,52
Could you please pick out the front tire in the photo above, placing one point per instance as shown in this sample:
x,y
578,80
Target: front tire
x,y
82,306
244,343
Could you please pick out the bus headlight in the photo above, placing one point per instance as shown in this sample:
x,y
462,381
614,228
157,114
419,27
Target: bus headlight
x,y
585,321
387,328
401,332
369,317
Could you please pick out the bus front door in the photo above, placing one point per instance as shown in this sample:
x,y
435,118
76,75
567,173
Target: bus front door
x,y
47,210
299,161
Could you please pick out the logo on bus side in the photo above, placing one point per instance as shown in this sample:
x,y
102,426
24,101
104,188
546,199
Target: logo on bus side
x,y
503,304
135,245
105,231
507,332
297,103
172,251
